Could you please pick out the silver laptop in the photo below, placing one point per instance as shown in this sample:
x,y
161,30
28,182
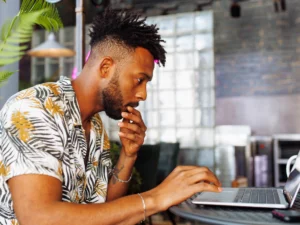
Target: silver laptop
x,y
255,197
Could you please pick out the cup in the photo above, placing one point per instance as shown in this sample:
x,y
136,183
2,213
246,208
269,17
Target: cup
x,y
295,160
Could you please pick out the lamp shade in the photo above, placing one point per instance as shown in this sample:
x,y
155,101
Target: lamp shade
x,y
51,48
52,1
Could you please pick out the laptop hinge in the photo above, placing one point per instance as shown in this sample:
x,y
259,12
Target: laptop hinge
x,y
287,196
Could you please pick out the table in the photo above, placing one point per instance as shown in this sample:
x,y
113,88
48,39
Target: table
x,y
228,215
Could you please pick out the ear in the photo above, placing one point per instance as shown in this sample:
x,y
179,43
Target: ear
x,y
106,66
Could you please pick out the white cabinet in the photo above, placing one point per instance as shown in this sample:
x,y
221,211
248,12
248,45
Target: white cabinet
x,y
285,146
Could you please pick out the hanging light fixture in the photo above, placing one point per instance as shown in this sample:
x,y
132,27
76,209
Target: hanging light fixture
x,y
235,9
52,1
51,48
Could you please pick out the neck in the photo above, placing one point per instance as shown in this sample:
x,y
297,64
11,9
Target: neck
x,y
87,94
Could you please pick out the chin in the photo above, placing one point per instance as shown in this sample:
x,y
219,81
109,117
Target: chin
x,y
114,115
125,109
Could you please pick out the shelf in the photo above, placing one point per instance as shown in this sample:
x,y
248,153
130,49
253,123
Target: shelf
x,y
287,137
282,161
284,146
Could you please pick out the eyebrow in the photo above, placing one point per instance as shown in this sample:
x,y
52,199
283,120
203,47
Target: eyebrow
x,y
147,75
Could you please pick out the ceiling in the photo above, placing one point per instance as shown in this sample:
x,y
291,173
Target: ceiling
x,y
147,7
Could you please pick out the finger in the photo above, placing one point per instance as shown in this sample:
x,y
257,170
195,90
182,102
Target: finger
x,y
124,129
205,176
181,168
134,111
203,186
135,118
132,136
132,127
131,117
125,120
205,172
187,172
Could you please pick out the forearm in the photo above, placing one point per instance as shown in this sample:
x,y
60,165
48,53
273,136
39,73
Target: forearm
x,y
127,210
123,171
39,200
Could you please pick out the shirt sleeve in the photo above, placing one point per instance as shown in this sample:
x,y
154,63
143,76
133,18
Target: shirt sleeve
x,y
30,140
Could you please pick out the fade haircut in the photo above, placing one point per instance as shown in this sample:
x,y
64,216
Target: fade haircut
x,y
126,30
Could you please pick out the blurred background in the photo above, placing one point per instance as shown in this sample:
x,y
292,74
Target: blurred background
x,y
228,97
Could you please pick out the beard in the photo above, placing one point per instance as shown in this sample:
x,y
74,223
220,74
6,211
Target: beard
x,y
113,99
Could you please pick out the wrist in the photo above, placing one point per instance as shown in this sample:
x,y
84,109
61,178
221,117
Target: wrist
x,y
124,166
152,203
115,175
128,156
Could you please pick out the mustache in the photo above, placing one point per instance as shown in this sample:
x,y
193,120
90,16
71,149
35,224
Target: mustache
x,y
133,104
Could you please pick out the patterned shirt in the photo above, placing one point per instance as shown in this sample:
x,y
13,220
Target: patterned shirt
x,y
40,133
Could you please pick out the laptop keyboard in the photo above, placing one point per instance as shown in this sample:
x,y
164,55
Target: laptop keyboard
x,y
256,195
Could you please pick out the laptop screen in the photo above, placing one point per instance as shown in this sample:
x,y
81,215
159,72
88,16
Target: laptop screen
x,y
292,185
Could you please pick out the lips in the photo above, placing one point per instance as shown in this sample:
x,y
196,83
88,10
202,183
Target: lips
x,y
133,105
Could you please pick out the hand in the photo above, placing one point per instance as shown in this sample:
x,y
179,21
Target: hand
x,y
132,131
182,183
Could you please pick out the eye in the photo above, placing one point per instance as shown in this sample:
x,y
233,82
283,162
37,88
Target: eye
x,y
140,80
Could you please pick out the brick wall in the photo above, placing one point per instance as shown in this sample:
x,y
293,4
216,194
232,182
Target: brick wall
x,y
257,65
258,53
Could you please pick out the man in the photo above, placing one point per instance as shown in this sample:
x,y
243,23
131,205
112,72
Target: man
x,y
54,161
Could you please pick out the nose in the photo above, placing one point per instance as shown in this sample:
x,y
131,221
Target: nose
x,y
142,93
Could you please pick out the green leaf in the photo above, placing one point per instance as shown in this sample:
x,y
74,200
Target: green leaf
x,y
4,28
15,48
48,23
50,19
22,31
19,29
10,60
7,54
4,75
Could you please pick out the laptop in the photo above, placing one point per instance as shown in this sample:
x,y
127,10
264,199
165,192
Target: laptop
x,y
274,198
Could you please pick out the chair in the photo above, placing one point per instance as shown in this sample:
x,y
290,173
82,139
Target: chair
x,y
155,163
168,159
146,164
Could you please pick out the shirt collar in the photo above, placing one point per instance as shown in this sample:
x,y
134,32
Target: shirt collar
x,y
69,97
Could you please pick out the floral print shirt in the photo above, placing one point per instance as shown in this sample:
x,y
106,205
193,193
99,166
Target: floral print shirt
x,y
40,133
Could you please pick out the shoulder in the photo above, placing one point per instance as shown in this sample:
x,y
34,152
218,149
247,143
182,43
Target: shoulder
x,y
35,94
40,101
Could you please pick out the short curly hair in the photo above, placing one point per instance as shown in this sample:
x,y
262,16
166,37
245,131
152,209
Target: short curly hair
x,y
128,29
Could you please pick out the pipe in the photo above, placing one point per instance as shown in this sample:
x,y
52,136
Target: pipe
x,y
80,36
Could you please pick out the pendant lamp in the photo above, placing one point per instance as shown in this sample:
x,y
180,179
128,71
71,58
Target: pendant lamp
x,y
51,48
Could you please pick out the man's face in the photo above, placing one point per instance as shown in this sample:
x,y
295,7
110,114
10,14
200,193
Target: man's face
x,y
112,98
128,84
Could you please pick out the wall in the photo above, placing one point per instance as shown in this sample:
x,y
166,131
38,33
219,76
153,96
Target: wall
x,y
8,10
258,66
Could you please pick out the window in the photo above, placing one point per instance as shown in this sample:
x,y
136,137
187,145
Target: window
x,y
181,97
